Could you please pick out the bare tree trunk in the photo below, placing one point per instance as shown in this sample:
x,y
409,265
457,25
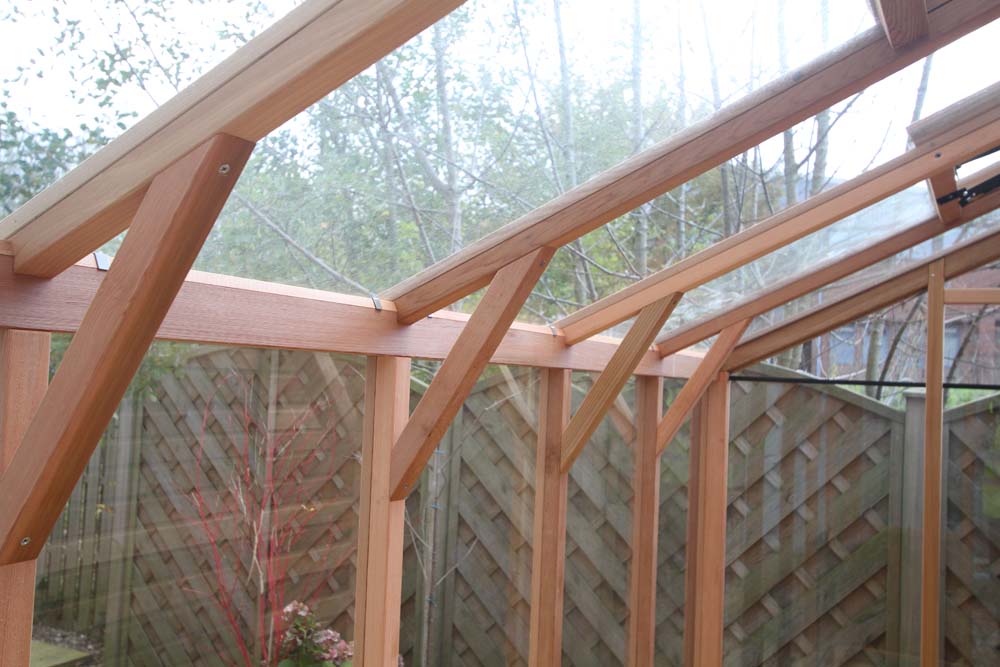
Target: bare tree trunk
x,y
447,139
585,289
874,352
641,213
730,222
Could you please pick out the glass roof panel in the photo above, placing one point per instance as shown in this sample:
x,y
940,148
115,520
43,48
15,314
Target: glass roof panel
x,y
906,208
898,262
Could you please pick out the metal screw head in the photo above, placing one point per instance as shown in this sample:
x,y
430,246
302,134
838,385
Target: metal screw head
x,y
224,169
25,541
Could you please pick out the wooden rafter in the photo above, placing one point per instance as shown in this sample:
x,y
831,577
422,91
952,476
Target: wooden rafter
x,y
931,517
698,384
864,300
962,136
684,156
313,50
223,310
610,382
170,226
645,524
904,21
705,574
461,368
822,275
548,557
796,286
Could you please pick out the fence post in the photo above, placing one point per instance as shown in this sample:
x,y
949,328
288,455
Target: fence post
x,y
24,375
910,469
123,505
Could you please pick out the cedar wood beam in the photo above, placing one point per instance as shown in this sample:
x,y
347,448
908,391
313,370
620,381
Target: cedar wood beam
x,y
931,518
693,151
224,310
642,567
548,556
904,21
176,215
381,521
461,368
610,382
316,48
706,527
901,285
824,274
972,296
24,376
698,383
966,128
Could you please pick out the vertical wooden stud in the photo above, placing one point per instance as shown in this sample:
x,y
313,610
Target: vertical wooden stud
x,y
24,375
930,564
548,558
706,534
380,531
645,523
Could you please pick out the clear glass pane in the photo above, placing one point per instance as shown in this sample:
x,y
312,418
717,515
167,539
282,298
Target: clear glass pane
x,y
810,567
224,490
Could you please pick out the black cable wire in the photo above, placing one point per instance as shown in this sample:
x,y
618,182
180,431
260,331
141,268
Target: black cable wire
x,y
861,383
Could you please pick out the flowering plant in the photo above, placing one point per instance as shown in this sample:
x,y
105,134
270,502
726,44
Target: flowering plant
x,y
306,644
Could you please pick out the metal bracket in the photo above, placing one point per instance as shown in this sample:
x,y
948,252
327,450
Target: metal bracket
x,y
103,261
555,332
376,302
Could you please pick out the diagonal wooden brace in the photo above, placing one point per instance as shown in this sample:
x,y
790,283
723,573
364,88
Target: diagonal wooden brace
x,y
168,230
610,382
698,383
461,368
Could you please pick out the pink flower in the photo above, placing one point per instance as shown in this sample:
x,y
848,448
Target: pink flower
x,y
295,608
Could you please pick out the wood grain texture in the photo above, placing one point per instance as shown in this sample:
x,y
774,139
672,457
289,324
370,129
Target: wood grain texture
x,y
705,558
548,556
930,545
904,21
224,310
169,229
381,520
315,49
693,151
961,137
610,382
461,368
698,384
798,285
863,300
972,296
645,524
24,375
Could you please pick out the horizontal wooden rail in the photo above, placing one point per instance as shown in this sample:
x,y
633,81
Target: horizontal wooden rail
x,y
971,296
693,151
316,48
223,310
962,137
901,285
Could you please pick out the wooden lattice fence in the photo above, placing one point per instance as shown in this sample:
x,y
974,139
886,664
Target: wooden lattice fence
x,y
817,540
972,547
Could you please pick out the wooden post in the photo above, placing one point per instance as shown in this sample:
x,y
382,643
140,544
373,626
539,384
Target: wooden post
x,y
645,523
706,533
380,533
930,564
24,374
548,557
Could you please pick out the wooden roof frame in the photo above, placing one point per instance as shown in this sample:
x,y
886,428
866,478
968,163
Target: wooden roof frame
x,y
166,180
